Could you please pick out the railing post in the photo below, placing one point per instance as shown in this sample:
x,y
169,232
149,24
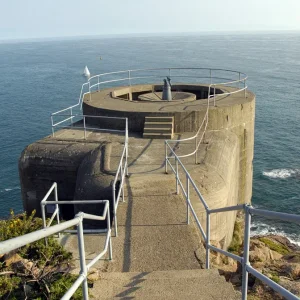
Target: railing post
x,y
56,205
71,115
90,90
245,90
129,78
83,268
114,209
214,95
245,261
239,80
187,199
122,182
196,151
109,231
207,262
166,158
52,126
126,144
98,84
84,127
177,179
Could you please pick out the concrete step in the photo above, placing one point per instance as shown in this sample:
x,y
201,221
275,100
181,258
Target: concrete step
x,y
158,125
180,284
157,136
159,119
158,130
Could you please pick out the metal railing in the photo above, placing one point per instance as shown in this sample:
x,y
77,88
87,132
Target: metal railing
x,y
249,211
14,243
82,123
212,77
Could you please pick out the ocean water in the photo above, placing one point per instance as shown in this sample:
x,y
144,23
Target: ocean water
x,y
39,77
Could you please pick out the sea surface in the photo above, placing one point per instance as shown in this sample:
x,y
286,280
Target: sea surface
x,y
40,77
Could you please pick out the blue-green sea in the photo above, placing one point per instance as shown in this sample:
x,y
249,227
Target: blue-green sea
x,y
39,77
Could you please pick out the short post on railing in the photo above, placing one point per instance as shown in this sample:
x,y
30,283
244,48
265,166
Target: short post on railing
x,y
90,90
83,268
207,262
84,128
187,199
52,126
196,151
245,89
214,95
166,158
177,176
114,208
71,115
109,232
126,145
56,205
129,78
245,261
98,83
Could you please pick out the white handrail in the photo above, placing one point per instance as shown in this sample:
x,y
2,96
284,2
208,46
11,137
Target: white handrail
x,y
249,210
15,243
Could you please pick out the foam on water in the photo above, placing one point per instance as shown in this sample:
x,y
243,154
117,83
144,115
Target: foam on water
x,y
258,228
281,173
10,189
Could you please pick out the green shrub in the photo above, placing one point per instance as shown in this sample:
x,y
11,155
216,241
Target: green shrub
x,y
44,269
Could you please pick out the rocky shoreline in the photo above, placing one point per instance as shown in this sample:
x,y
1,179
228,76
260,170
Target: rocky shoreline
x,y
273,255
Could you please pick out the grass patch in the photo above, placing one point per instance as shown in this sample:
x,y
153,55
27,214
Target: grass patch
x,y
275,246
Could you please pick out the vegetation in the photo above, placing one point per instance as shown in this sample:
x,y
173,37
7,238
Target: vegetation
x,y
282,249
35,271
236,243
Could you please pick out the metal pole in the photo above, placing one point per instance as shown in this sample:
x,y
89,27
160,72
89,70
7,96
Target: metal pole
x,y
83,268
90,91
239,79
245,91
109,231
98,85
84,127
207,262
129,78
245,261
166,158
52,126
126,145
187,199
214,95
71,112
177,178
196,152
56,205
114,209
122,182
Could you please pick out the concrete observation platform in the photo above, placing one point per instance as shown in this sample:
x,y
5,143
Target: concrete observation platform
x,y
153,235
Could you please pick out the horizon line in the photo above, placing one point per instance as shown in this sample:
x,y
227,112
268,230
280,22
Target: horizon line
x,y
147,34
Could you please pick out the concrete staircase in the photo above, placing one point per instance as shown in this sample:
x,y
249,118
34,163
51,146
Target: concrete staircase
x,y
180,284
158,127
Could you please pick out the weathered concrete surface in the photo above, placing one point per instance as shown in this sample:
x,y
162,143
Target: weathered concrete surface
x,y
183,284
224,175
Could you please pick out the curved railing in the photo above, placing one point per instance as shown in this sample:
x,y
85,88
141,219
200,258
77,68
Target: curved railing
x,y
209,76
186,184
214,78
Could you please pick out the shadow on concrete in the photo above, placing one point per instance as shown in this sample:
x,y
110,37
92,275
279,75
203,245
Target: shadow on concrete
x,y
127,246
132,286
